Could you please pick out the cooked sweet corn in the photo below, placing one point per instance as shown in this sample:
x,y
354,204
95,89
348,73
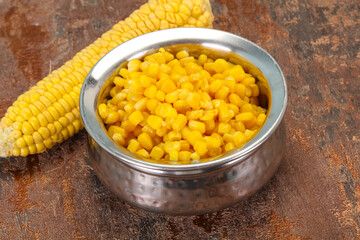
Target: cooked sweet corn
x,y
46,104
180,120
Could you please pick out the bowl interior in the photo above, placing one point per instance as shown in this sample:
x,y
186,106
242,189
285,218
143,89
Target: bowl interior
x,y
213,43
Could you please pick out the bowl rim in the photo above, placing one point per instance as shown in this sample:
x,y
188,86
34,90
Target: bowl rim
x,y
138,47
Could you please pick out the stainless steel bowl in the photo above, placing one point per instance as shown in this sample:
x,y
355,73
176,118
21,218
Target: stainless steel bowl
x,y
194,188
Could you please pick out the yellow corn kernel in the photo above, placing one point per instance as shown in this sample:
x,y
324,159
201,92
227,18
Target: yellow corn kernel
x,y
255,90
15,152
29,140
249,133
212,142
197,125
181,106
44,132
129,107
220,65
179,123
150,91
118,138
209,126
246,108
161,132
200,147
145,141
168,86
194,136
34,123
112,117
119,81
236,100
195,114
133,145
151,105
245,116
185,145
168,56
187,85
239,138
193,99
212,152
224,114
248,91
172,146
182,54
78,125
154,121
43,120
27,129
136,117
192,67
128,126
20,142
202,59
227,137
157,152
185,133
248,81
160,95
123,72
208,115
32,149
173,155
174,136
222,93
26,113
48,143
133,65
260,119
145,81
171,113
40,147
149,130
195,156
34,111
24,151
116,129
239,126
215,85
171,97
183,94
141,104
229,146
143,153
240,90
223,128
184,156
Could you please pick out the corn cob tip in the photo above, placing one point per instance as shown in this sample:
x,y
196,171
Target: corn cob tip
x,y
6,145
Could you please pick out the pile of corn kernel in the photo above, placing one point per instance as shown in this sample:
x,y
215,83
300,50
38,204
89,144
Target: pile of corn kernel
x,y
179,109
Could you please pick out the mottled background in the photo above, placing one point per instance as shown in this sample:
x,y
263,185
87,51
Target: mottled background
x,y
314,195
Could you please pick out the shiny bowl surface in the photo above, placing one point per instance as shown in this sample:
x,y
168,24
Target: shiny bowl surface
x,y
192,188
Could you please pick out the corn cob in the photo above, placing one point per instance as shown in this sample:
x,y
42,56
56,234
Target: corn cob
x,y
48,113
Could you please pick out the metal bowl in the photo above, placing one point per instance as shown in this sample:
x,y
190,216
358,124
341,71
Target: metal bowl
x,y
193,188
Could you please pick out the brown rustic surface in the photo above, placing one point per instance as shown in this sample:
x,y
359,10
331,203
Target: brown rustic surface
x,y
314,195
